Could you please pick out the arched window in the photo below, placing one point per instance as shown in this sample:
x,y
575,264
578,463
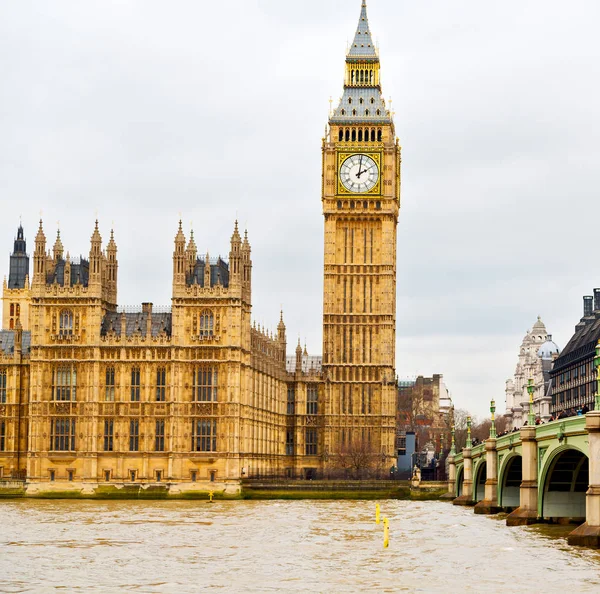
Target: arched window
x,y
341,135
371,76
361,100
12,309
65,323
360,136
366,112
18,309
206,324
373,135
349,100
378,135
354,112
339,204
347,134
353,135
353,77
343,112
372,100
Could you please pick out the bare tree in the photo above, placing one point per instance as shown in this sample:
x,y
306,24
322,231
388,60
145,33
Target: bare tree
x,y
460,427
357,459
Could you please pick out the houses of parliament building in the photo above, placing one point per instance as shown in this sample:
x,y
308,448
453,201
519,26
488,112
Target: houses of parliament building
x,y
93,394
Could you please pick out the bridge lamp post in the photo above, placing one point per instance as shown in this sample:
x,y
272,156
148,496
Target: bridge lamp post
x,y
531,390
493,425
597,364
453,446
469,443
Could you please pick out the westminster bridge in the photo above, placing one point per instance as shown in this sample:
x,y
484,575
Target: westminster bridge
x,y
548,472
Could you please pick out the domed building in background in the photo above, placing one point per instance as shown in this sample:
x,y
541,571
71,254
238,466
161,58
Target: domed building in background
x,y
536,355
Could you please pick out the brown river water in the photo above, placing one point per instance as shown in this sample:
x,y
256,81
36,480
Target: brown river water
x,y
280,546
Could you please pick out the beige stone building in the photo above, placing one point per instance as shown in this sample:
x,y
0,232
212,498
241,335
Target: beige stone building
x,y
93,395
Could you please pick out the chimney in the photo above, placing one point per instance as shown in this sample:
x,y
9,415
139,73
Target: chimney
x,y
147,309
596,299
588,306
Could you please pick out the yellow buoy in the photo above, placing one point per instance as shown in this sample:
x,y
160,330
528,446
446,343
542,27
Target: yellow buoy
x,y
386,533
377,513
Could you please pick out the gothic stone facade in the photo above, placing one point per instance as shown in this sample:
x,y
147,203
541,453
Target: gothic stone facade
x,y
92,394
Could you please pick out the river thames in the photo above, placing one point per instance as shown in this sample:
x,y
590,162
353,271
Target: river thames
x,y
264,546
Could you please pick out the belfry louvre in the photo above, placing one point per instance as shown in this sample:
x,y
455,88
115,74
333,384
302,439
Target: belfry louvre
x,y
95,394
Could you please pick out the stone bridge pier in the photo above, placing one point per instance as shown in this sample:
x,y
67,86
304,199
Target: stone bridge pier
x,y
588,534
527,512
466,497
489,505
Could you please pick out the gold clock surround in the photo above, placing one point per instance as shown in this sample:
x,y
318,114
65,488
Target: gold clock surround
x,y
341,158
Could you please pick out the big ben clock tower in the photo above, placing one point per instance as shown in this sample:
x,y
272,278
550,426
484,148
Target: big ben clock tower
x,y
361,202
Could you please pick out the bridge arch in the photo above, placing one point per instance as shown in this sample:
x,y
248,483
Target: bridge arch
x,y
563,483
480,476
460,477
509,482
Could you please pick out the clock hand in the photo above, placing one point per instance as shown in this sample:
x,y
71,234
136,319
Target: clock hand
x,y
359,166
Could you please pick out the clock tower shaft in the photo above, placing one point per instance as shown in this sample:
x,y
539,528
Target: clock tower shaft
x,y
359,302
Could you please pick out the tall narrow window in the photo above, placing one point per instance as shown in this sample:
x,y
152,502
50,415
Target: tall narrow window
x,y
110,384
311,442
291,400
159,436
206,324
134,435
204,384
135,384
109,434
66,323
64,384
3,381
62,434
344,406
161,384
289,443
204,435
312,400
2,436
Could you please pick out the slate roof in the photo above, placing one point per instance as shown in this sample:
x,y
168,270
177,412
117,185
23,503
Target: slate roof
x,y
365,112
136,322
7,342
363,45
219,273
309,363
582,344
80,273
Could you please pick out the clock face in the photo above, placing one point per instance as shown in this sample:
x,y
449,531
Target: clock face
x,y
359,173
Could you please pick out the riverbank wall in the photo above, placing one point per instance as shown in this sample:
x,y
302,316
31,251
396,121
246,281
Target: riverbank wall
x,y
248,490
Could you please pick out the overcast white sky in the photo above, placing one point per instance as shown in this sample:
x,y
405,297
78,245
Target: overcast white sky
x,y
140,110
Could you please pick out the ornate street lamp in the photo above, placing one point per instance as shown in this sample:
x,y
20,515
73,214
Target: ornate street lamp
x,y
597,364
531,390
493,425
469,440
453,446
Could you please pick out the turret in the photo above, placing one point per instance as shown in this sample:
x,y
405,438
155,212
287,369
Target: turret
x,y
191,255
299,358
112,267
95,278
179,259
281,330
19,263
246,268
58,250
39,258
235,258
207,271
